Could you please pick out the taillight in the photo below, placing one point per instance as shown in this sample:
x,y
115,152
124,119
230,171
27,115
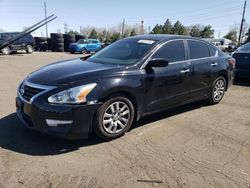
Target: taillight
x,y
232,61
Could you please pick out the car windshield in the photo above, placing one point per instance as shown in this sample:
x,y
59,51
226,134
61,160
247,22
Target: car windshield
x,y
125,52
244,48
4,36
82,41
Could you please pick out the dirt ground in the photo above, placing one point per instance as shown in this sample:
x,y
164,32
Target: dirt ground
x,y
195,145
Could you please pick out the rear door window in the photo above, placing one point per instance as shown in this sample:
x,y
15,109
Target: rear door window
x,y
198,49
173,51
212,51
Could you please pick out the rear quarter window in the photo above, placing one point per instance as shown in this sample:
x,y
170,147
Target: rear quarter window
x,y
198,50
212,51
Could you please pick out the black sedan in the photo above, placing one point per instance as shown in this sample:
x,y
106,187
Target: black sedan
x,y
242,56
123,82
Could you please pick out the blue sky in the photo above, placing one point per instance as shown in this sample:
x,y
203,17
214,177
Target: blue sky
x,y
221,14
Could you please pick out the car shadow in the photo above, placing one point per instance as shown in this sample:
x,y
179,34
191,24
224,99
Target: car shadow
x,y
170,112
14,136
242,82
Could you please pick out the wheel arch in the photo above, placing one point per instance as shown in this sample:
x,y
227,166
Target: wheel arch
x,y
124,93
224,74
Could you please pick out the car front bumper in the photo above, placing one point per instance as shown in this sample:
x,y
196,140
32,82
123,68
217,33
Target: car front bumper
x,y
69,122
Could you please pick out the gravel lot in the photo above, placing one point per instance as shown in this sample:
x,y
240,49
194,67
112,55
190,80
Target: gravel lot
x,y
191,146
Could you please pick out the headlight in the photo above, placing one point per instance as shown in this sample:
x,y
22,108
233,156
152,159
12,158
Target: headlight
x,y
74,95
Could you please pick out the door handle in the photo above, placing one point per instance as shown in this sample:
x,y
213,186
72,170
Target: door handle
x,y
214,64
185,71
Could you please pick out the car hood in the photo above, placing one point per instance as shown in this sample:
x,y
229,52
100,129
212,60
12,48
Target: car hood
x,y
70,71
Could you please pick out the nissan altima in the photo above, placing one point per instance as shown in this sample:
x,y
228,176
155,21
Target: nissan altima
x,y
133,77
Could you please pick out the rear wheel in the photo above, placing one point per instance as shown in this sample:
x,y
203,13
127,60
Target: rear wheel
x,y
218,90
114,118
29,49
6,51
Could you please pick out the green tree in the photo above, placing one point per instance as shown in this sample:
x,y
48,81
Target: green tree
x,y
126,33
72,32
207,32
179,29
133,32
231,35
115,36
93,34
167,27
195,31
158,29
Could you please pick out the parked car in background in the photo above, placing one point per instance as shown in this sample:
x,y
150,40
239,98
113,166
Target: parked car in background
x,y
121,83
223,44
85,46
26,43
242,56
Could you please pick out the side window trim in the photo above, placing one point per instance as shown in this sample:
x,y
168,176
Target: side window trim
x,y
208,45
159,46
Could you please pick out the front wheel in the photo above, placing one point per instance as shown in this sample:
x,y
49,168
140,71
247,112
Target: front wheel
x,y
6,51
218,90
114,118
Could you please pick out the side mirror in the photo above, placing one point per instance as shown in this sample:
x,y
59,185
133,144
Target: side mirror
x,y
157,62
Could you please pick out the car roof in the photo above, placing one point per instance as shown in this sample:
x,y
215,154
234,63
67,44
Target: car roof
x,y
10,33
163,37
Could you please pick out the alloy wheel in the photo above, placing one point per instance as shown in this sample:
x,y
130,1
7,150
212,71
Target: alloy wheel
x,y
219,89
6,51
116,117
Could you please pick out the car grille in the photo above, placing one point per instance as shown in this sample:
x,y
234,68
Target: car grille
x,y
27,92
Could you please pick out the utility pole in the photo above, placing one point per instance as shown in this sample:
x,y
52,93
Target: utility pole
x,y
123,26
242,22
45,12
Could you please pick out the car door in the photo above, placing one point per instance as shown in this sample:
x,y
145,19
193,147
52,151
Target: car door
x,y
168,86
17,45
202,67
90,45
96,45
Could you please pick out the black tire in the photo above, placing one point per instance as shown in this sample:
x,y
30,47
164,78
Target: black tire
x,y
49,44
58,49
40,39
56,35
6,51
69,40
99,127
57,45
218,90
58,40
69,36
29,49
78,37
84,51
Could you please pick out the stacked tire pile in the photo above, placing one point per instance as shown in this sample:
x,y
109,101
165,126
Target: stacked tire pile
x,y
41,44
78,37
57,42
68,39
49,44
